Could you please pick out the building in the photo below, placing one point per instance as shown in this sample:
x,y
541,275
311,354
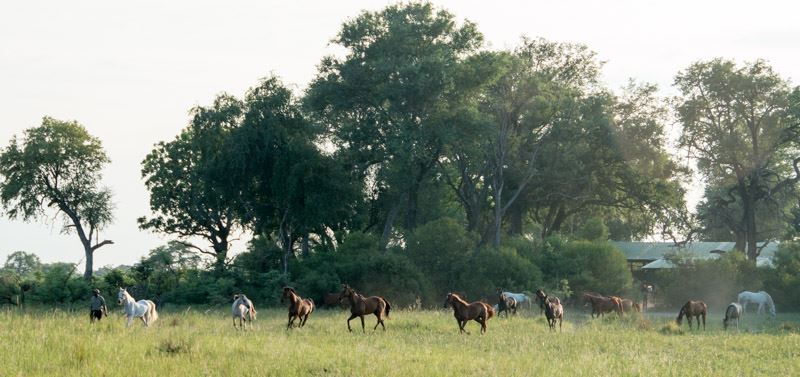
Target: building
x,y
651,255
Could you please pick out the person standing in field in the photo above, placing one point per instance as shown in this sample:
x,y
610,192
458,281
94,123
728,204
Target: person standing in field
x,y
97,308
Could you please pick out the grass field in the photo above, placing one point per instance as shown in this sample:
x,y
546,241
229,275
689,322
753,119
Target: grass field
x,y
417,343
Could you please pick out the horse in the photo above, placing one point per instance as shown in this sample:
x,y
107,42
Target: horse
x,y
144,309
693,308
243,310
732,312
298,307
602,305
506,304
541,297
554,311
331,300
630,306
464,312
361,306
761,298
521,298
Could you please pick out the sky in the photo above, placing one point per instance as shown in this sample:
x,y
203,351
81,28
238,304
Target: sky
x,y
131,71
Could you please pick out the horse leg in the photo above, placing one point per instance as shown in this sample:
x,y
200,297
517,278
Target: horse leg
x,y
348,322
363,330
704,323
482,321
559,324
289,324
130,320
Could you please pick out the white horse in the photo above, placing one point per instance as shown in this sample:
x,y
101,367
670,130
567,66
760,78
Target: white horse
x,y
761,298
732,312
144,309
243,310
520,297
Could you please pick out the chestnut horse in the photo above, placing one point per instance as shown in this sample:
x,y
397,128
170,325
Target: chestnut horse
x,y
554,311
299,308
696,309
602,305
464,312
361,306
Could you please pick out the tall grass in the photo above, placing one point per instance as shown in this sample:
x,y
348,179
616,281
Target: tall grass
x,y
417,343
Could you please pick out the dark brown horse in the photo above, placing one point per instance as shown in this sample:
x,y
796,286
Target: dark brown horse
x,y
464,312
602,305
332,300
506,304
361,306
554,311
693,308
298,307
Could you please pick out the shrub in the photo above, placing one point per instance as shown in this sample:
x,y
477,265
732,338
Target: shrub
x,y
595,266
783,282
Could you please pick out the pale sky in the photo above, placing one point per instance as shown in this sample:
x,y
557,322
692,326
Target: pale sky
x,y
130,71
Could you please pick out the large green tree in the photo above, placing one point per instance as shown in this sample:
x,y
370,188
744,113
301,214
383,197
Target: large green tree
x,y
392,102
189,189
741,125
57,166
288,188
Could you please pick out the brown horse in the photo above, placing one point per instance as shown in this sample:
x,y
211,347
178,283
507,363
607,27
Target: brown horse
x,y
361,306
602,305
554,311
541,297
693,308
630,306
506,304
464,312
299,308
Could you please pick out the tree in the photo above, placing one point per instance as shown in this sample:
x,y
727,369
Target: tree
x,y
391,103
287,187
22,263
58,165
741,126
189,189
606,156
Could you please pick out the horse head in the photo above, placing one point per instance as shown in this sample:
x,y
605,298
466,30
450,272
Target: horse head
x,y
346,292
448,300
121,295
286,293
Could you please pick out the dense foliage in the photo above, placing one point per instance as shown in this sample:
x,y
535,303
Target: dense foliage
x,y
420,162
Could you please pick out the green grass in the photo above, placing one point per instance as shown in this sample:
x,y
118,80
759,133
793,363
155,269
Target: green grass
x,y
424,343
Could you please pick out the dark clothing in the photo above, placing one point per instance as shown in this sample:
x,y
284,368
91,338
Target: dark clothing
x,y
97,314
98,303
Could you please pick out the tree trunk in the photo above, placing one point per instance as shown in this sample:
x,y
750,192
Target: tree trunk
x,y
749,221
304,246
389,225
89,255
515,219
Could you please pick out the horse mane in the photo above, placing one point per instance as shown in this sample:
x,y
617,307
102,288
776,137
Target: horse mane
x,y
458,298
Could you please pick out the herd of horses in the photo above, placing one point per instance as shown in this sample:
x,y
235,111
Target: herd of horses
x,y
243,310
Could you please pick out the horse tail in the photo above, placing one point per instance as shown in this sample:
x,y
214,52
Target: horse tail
x,y
489,311
388,306
152,314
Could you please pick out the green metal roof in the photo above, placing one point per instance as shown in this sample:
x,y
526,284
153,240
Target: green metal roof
x,y
650,251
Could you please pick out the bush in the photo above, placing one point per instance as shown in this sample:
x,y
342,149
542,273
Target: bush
x,y
783,282
441,249
595,267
